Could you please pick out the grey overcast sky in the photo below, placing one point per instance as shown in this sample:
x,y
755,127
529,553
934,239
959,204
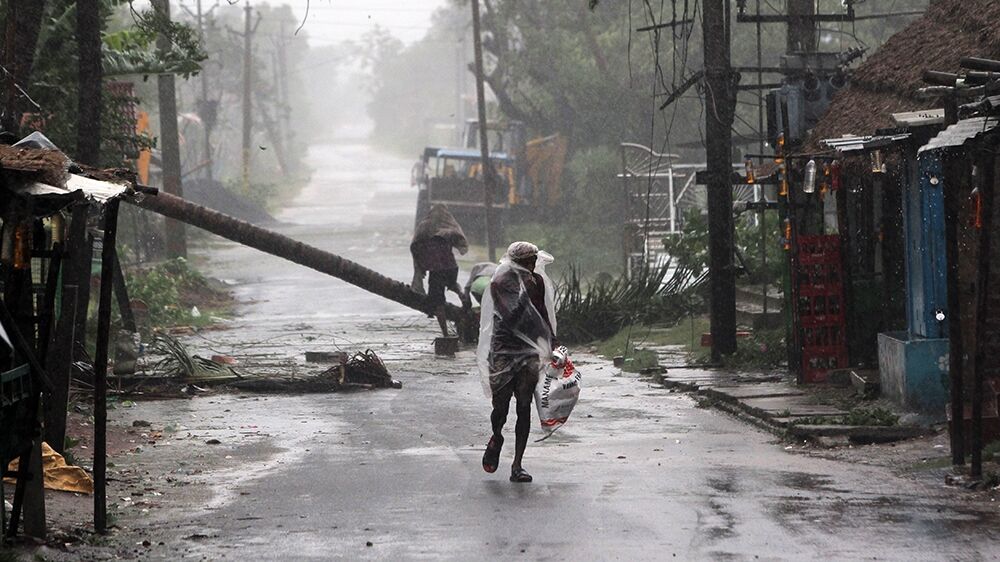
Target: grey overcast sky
x,y
333,21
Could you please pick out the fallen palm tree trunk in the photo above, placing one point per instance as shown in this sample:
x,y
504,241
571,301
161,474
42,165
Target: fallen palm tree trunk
x,y
282,246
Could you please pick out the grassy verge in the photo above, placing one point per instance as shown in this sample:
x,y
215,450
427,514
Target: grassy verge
x,y
632,342
176,294
764,349
869,416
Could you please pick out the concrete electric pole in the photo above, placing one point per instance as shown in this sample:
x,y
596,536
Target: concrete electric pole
x,y
719,112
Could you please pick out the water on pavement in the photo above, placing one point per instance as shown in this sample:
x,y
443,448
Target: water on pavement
x,y
638,473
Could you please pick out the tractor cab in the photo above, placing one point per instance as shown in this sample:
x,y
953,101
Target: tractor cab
x,y
454,177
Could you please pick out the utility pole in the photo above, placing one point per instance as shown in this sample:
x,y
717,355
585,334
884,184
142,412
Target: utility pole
x,y
488,173
761,193
207,114
801,26
88,122
176,243
8,122
284,119
247,86
720,107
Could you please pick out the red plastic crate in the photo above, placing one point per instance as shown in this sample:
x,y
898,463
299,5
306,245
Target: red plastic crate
x,y
819,306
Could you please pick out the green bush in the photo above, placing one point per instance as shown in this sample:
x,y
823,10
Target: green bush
x,y
163,289
763,349
690,247
599,309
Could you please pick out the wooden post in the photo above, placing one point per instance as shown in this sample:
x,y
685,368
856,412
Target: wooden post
x,y
29,492
121,296
176,242
82,276
956,351
34,490
484,149
985,186
101,366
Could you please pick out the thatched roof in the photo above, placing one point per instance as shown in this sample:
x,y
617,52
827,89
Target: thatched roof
x,y
887,81
41,164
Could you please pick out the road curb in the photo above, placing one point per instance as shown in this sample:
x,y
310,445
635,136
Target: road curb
x,y
828,434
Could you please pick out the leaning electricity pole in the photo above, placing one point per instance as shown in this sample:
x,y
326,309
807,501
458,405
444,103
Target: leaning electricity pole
x,y
170,151
720,106
488,174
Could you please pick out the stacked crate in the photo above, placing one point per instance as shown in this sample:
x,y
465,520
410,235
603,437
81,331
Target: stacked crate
x,y
819,306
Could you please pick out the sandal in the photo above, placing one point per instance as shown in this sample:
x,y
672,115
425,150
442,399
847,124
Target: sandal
x,y
491,458
519,475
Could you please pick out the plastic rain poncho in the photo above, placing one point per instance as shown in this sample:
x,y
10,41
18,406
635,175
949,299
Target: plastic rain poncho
x,y
513,327
440,223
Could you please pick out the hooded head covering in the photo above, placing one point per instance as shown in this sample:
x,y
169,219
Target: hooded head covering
x,y
439,222
521,250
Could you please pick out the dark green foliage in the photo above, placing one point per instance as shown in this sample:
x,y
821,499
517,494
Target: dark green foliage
x,y
690,247
585,230
598,310
874,416
753,248
128,53
169,290
762,350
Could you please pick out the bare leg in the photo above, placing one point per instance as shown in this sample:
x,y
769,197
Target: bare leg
x,y
501,407
525,380
466,301
442,320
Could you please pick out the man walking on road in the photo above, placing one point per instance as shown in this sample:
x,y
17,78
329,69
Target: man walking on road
x,y
517,333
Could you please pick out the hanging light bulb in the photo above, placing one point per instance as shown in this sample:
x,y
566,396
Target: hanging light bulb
x,y
779,155
22,246
784,183
809,185
835,175
57,224
751,179
786,242
977,208
877,165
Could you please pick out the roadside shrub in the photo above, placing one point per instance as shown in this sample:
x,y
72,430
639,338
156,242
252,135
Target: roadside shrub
x,y
169,290
599,309
764,349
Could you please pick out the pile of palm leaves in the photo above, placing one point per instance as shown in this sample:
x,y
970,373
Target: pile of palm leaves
x,y
599,309
177,362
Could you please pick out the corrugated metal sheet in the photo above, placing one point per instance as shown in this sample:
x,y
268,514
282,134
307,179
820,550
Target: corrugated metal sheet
x,y
95,190
960,133
852,143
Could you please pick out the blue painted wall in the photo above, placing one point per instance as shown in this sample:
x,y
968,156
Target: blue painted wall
x,y
926,265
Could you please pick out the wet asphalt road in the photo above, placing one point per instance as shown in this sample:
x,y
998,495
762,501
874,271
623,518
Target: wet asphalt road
x,y
638,473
